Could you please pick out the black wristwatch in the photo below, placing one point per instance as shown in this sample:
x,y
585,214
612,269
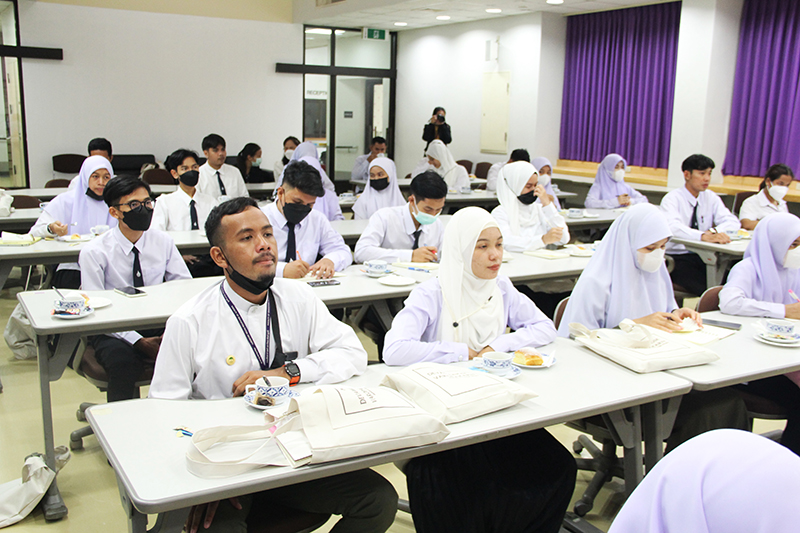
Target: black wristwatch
x,y
294,373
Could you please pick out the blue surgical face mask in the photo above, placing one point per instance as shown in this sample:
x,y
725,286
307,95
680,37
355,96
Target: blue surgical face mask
x,y
424,218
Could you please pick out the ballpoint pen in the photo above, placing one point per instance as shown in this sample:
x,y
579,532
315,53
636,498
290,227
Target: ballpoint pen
x,y
793,295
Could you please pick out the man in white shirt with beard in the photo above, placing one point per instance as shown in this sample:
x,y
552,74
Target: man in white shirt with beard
x,y
252,325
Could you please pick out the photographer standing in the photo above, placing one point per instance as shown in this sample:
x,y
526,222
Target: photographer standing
x,y
437,128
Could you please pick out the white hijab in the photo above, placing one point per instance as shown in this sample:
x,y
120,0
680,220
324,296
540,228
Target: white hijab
x,y
475,304
510,182
448,169
371,200
308,149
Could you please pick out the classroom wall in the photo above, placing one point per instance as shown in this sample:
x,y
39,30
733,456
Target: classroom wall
x,y
153,82
445,65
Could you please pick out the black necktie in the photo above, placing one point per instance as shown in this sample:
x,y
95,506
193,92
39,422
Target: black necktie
x,y
694,216
416,238
193,214
291,245
221,185
138,281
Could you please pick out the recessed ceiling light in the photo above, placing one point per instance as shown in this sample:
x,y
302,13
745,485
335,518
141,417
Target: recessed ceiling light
x,y
443,17
401,23
555,2
494,10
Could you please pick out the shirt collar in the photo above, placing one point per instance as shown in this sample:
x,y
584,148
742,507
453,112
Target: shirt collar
x,y
185,198
764,202
240,303
408,221
125,244
690,197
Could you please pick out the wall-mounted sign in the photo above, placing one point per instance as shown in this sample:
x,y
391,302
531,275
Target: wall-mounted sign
x,y
374,34
348,114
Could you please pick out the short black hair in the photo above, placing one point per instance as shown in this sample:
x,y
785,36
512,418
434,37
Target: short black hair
x,y
120,186
231,207
295,140
697,162
301,175
174,160
428,185
100,144
520,154
378,140
437,109
212,141
775,172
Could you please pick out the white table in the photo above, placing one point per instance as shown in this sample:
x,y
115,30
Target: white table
x,y
20,220
139,441
600,218
717,257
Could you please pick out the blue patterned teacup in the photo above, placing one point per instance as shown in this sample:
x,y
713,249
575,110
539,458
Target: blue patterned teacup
x,y
278,388
783,328
497,362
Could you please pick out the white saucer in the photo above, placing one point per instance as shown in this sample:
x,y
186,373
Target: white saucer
x,y
396,281
380,275
248,399
98,302
777,340
547,362
767,340
591,215
86,312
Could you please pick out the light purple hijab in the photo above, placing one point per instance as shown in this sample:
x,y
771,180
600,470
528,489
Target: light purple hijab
x,y
74,206
613,287
722,481
761,275
371,199
604,186
540,162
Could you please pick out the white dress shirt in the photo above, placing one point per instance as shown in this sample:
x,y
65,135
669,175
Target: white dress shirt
x,y
491,176
678,206
758,206
361,168
204,350
530,237
231,178
389,236
172,210
313,236
415,334
107,263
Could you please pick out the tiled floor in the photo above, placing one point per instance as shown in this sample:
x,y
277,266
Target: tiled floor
x,y
87,482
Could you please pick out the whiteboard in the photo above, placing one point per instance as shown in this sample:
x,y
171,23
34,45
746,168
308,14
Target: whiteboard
x,y
494,112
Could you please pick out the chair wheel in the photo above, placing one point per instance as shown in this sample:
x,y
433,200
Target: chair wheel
x,y
577,447
80,415
582,508
75,444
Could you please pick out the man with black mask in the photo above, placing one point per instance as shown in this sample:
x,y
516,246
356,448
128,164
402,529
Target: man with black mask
x,y
303,234
186,209
252,325
130,255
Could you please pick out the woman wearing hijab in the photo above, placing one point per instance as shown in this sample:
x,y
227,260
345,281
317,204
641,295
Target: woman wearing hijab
x,y
380,191
609,189
455,317
526,215
723,481
760,285
769,199
77,211
441,161
545,168
328,204
627,278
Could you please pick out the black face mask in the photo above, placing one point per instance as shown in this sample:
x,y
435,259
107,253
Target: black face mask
x,y
379,184
528,198
295,213
138,219
189,178
253,286
93,195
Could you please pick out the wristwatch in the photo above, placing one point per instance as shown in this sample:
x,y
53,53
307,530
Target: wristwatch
x,y
294,373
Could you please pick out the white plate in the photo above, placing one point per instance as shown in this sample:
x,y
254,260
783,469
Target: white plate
x,y
248,399
396,281
86,312
759,338
380,275
81,238
98,302
547,362
591,215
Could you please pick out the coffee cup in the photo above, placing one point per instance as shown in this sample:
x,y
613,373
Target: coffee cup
x,y
278,388
376,267
497,362
782,328
42,205
575,213
346,195
99,229
70,304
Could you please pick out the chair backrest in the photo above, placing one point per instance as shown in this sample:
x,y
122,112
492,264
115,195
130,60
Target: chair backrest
x,y
482,169
158,176
131,164
25,202
562,305
709,300
739,200
56,183
230,160
68,163
466,163
408,176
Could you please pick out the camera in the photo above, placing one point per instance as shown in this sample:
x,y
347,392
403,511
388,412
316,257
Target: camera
x,y
440,118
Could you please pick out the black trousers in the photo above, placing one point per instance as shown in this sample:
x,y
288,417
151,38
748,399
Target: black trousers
x,y
123,363
67,279
785,393
689,273
517,484
702,411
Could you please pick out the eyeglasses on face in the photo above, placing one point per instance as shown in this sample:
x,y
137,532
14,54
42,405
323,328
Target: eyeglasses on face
x,y
136,204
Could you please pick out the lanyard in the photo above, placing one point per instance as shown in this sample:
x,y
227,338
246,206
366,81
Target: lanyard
x,y
261,361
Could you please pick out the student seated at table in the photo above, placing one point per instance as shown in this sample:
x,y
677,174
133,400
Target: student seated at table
x,y
440,160
97,146
520,154
130,255
695,213
609,189
545,169
381,190
459,315
769,199
761,285
248,161
409,232
217,178
77,211
302,233
328,205
361,167
627,278
252,325
289,145
186,209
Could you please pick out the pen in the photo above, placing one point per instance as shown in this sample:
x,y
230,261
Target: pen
x,y
415,269
183,431
793,295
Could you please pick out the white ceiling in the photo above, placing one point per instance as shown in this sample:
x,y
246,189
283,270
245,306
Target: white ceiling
x,y
423,13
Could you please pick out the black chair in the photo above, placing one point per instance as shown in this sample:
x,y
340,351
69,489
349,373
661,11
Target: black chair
x,y
25,202
466,163
739,200
56,184
482,169
230,160
158,176
131,164
68,163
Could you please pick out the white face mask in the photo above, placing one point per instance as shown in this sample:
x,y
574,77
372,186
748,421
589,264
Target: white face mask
x,y
544,179
652,261
618,175
792,258
288,154
778,192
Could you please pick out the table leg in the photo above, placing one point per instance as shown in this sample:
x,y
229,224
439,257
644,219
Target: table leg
x,y
716,264
169,522
627,425
5,270
384,313
657,419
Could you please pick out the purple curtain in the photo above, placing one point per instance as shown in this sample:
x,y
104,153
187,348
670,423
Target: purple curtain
x,y
765,112
619,83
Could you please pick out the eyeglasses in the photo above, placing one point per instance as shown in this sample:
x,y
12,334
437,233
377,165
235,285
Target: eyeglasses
x,y
136,204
